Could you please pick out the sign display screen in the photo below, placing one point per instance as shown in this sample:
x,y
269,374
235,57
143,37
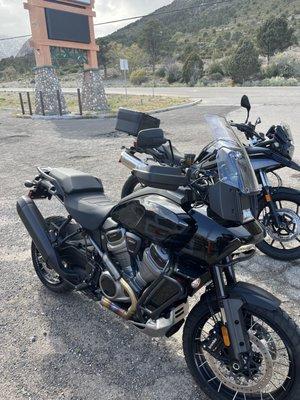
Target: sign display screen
x,y
67,26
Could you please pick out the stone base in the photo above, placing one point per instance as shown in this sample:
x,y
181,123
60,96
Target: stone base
x,y
47,92
93,93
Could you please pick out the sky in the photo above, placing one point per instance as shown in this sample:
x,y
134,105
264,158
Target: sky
x,y
14,19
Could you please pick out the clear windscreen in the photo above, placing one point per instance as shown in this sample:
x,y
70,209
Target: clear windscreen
x,y
233,164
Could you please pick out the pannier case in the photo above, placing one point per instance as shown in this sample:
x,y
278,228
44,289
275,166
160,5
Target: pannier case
x,y
132,122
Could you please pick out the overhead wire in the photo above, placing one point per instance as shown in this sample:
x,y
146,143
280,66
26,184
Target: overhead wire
x,y
153,14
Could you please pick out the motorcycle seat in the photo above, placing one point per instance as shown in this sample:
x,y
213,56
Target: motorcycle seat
x,y
84,197
72,181
89,209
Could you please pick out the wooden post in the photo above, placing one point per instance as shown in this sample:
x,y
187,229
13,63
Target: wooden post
x,y
22,104
79,101
42,103
29,103
59,102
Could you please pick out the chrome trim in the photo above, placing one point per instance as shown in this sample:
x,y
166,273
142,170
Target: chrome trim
x,y
131,162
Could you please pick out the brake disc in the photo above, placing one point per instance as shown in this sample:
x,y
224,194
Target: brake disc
x,y
292,226
242,383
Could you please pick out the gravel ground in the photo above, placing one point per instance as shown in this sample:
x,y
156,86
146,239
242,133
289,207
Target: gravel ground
x,y
66,347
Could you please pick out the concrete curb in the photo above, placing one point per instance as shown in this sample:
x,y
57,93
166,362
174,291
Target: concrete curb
x,y
179,107
104,116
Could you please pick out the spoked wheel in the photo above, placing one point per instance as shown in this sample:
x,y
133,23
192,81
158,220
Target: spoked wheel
x,y
282,241
272,369
44,271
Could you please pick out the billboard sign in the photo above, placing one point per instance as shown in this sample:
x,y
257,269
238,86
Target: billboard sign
x,y
67,26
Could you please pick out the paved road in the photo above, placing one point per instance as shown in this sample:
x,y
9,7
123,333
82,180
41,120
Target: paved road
x,y
65,347
211,95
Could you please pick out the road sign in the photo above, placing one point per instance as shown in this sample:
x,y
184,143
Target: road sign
x,y
124,64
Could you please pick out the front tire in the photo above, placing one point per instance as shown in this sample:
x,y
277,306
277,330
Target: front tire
x,y
131,185
285,199
211,382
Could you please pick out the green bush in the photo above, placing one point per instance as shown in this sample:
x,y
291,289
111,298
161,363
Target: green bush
x,y
9,73
215,68
270,71
192,69
161,72
216,76
244,62
174,73
284,66
275,81
138,77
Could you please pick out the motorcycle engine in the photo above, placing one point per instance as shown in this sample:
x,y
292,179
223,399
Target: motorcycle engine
x,y
124,247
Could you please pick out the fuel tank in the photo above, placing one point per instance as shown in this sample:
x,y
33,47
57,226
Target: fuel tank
x,y
156,218
212,242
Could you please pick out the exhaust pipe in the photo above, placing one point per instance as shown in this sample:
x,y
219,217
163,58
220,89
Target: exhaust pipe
x,y
131,161
37,229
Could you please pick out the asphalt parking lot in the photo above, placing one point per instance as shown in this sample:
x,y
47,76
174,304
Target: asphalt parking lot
x,y
65,347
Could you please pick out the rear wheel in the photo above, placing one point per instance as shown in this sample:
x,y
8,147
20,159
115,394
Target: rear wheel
x,y
273,370
47,275
282,243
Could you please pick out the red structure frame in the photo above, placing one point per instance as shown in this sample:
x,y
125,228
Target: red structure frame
x,y
40,41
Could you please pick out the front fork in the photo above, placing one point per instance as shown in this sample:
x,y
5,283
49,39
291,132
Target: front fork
x,y
234,331
268,198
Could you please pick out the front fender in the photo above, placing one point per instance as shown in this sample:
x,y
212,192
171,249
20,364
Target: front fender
x,y
280,189
249,294
255,296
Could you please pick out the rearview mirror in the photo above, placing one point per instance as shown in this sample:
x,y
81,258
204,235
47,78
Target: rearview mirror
x,y
150,138
245,103
258,121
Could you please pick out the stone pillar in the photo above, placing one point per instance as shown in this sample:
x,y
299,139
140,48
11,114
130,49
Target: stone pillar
x,y
46,81
93,93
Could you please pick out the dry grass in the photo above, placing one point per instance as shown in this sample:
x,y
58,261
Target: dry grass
x,y
139,103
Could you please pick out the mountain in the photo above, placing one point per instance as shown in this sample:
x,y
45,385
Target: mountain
x,y
192,19
11,47
25,49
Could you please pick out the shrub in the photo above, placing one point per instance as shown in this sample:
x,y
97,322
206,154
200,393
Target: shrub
x,y
215,68
270,71
283,65
138,77
204,81
161,72
244,62
216,76
275,81
173,73
113,73
9,73
192,69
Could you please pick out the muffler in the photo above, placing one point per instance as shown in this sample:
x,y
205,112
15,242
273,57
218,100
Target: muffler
x,y
37,229
131,161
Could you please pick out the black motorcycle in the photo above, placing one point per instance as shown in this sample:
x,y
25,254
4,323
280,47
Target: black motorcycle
x,y
279,206
143,257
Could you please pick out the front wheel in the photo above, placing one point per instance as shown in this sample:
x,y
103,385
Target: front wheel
x,y
281,242
131,185
273,370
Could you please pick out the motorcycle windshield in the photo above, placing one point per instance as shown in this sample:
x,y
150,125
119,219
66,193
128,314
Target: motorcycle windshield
x,y
233,164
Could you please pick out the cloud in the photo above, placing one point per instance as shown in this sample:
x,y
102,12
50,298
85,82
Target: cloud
x,y
14,19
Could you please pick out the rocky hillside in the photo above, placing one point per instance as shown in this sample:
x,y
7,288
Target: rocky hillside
x,y
191,20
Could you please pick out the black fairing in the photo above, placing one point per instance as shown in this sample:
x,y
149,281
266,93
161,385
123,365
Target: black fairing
x,y
213,242
156,218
